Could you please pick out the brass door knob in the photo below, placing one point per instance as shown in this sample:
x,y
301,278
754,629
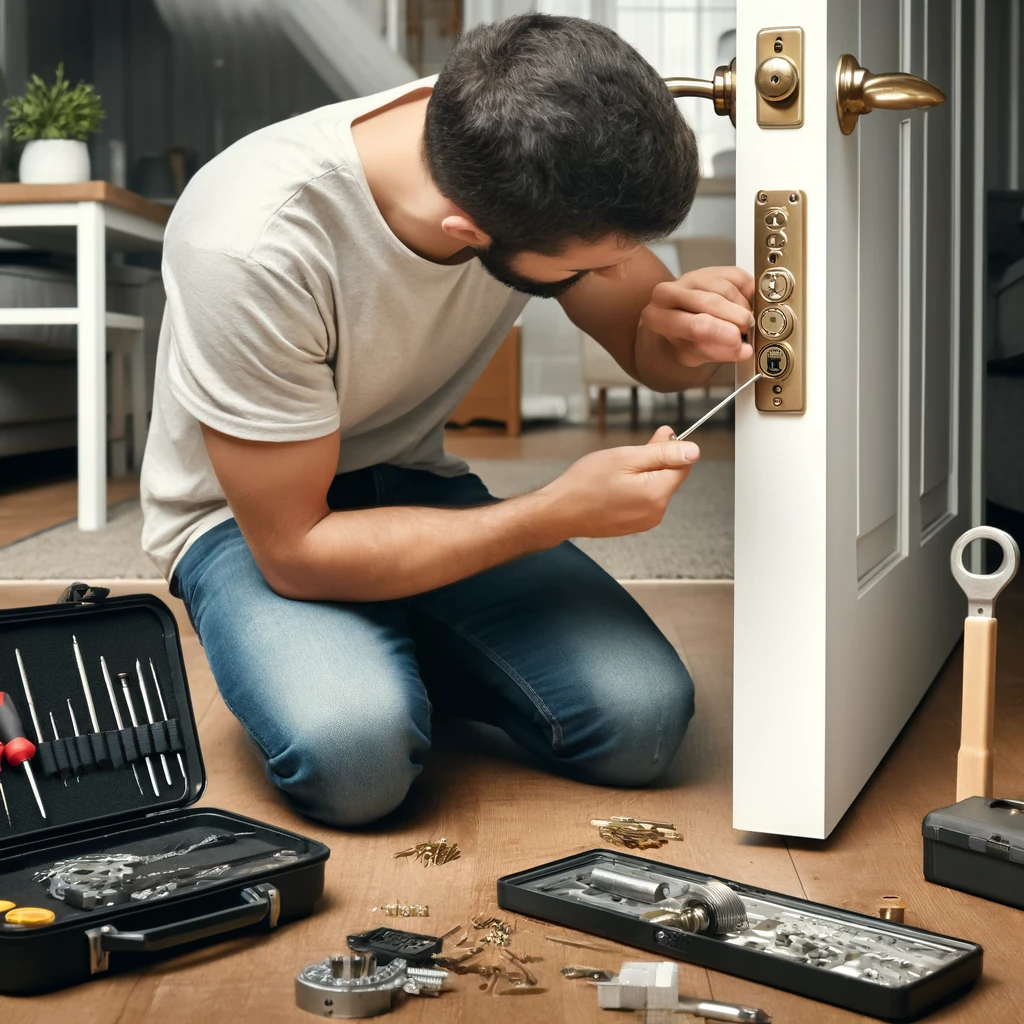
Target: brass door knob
x,y
858,92
721,90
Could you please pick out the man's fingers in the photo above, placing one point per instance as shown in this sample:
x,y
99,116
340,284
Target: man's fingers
x,y
657,455
665,433
672,295
700,329
735,275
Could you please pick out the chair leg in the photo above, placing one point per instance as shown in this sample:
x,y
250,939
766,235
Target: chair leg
x,y
634,408
140,426
602,409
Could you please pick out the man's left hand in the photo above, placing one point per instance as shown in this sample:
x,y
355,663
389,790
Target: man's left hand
x,y
703,315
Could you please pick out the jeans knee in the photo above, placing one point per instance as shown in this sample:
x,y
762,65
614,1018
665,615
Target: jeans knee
x,y
635,740
352,773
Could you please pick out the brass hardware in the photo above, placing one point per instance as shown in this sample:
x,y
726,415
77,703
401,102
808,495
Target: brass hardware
x,y
779,302
634,834
780,57
858,92
892,908
721,90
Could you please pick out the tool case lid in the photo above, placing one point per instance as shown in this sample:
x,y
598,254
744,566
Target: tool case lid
x,y
994,828
122,629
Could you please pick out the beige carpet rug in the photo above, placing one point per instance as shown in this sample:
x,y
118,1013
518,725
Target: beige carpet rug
x,y
694,541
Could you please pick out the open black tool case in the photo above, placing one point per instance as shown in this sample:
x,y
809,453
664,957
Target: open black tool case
x,y
867,965
194,875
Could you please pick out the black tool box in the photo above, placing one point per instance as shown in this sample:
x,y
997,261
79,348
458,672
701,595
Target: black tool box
x,y
880,968
977,846
128,869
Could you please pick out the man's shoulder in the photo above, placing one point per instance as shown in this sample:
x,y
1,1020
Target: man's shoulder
x,y
233,199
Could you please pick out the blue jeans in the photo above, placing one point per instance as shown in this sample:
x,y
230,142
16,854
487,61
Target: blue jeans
x,y
338,697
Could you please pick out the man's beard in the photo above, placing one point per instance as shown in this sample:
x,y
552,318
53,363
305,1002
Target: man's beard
x,y
497,261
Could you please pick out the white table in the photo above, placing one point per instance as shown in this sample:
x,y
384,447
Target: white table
x,y
90,219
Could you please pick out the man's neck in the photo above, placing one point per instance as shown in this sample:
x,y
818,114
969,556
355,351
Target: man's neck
x,y
390,146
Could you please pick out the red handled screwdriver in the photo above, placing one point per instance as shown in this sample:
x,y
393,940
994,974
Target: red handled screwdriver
x,y
18,748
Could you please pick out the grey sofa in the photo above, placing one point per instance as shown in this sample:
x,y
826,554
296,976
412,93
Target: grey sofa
x,y
38,379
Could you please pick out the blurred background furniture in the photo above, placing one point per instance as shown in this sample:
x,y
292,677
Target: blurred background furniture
x,y
86,219
496,396
599,370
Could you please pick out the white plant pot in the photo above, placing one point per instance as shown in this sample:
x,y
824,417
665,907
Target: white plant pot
x,y
54,162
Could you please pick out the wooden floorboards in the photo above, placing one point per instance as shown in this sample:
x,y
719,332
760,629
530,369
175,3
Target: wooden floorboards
x,y
506,816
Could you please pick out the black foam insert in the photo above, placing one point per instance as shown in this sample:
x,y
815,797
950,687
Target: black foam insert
x,y
17,872
121,630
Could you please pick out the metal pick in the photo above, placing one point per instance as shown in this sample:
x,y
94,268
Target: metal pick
x,y
721,405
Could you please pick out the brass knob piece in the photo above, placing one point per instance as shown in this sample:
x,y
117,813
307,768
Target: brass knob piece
x,y
776,79
858,92
721,90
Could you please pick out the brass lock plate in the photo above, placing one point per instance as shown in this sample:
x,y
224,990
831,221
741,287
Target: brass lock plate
x,y
779,300
779,77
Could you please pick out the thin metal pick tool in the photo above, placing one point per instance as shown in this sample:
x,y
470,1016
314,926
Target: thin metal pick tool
x,y
74,727
85,686
721,405
28,696
56,736
163,710
149,716
117,714
123,676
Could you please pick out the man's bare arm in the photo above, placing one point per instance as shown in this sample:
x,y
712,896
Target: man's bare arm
x,y
667,333
277,492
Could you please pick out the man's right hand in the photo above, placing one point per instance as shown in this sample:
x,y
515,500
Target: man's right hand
x,y
619,491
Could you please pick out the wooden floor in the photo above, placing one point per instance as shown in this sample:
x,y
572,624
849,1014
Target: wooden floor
x,y
507,816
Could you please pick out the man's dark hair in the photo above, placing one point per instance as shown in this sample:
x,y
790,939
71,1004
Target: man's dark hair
x,y
547,130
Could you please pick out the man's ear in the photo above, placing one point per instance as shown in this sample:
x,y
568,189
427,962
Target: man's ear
x,y
462,228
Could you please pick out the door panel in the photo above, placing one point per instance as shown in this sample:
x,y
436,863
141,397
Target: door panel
x,y
845,514
879,338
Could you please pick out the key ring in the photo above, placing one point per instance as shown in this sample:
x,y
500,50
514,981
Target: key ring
x,y
982,590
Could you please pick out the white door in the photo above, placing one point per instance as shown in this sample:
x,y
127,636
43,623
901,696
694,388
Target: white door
x,y
847,510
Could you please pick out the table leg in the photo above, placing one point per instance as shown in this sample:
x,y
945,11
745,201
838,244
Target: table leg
x,y
92,384
140,427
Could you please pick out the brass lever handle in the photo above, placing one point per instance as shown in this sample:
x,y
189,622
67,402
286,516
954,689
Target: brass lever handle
x,y
721,90
858,92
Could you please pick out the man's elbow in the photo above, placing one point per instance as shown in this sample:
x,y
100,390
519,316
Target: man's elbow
x,y
284,576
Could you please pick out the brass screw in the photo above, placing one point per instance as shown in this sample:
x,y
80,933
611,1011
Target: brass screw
x,y
762,197
794,197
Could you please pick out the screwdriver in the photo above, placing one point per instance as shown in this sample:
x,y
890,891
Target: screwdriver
x,y
18,748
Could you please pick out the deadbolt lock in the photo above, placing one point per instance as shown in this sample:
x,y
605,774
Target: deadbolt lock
x,y
780,58
779,300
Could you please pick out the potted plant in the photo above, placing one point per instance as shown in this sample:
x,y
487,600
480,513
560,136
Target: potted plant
x,y
54,121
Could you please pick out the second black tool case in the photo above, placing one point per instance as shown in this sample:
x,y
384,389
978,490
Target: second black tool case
x,y
200,874
880,968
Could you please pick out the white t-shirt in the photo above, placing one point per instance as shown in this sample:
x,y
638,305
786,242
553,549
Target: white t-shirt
x,y
293,310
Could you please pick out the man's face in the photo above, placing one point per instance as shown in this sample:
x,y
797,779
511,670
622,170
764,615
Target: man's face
x,y
548,277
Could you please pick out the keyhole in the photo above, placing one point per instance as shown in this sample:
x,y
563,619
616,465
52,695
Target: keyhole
x,y
778,45
775,79
773,257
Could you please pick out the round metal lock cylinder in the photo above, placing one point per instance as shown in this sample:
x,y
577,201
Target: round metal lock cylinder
x,y
776,219
776,285
775,360
776,79
776,240
775,322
